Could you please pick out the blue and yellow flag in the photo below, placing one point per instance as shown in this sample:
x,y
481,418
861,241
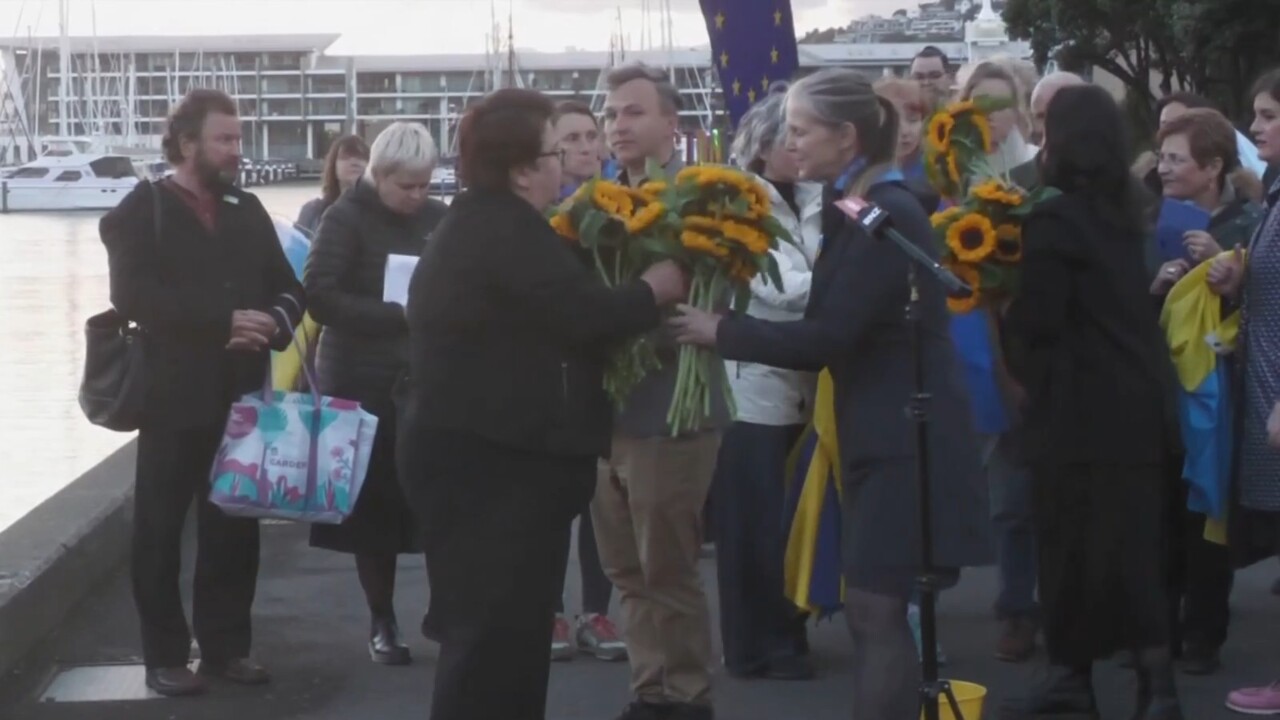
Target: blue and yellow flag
x,y
753,44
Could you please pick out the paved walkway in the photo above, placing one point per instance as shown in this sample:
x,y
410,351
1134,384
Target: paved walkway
x,y
311,627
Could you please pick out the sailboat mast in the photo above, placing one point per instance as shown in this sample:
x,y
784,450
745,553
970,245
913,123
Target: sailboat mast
x,y
64,66
511,46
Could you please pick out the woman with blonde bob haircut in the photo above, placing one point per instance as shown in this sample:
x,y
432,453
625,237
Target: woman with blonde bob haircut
x,y
364,348
845,136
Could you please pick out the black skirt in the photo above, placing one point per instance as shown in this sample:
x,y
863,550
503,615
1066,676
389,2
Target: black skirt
x,y
1104,544
382,523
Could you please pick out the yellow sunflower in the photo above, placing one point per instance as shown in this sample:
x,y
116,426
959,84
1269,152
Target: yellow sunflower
x,y
953,167
645,217
756,242
997,192
972,238
970,276
703,243
960,108
1008,243
940,128
942,218
563,225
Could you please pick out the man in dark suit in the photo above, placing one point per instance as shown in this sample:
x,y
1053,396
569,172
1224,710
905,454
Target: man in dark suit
x,y
213,293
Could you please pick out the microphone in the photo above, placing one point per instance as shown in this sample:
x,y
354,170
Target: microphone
x,y
879,225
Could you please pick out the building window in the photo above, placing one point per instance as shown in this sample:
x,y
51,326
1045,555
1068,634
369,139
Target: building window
x,y
377,106
281,85
420,83
281,61
326,84
282,107
248,107
376,82
288,140
461,82
68,176
326,106
323,135
421,106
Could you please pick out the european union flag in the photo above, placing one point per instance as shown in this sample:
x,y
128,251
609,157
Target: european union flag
x,y
753,44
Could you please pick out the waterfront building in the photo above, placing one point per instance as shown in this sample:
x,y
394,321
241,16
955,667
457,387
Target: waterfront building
x,y
295,96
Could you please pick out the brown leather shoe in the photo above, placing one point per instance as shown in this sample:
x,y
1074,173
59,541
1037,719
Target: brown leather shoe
x,y
1017,641
175,682
241,671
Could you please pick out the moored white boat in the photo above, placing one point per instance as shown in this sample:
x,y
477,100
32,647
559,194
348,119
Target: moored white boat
x,y
68,180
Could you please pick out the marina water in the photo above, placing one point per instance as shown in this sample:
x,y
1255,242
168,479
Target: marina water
x,y
53,276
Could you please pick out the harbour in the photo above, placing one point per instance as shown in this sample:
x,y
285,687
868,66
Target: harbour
x,y
54,277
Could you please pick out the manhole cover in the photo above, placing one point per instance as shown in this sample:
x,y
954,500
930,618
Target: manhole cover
x,y
99,683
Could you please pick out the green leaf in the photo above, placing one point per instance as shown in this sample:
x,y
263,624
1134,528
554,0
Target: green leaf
x,y
741,297
772,271
592,227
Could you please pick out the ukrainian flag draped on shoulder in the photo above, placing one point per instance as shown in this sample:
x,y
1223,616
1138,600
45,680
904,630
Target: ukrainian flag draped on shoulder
x,y
753,44
1199,337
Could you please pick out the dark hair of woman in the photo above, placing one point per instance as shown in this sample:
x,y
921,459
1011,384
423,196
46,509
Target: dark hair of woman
x,y
1087,151
574,107
186,119
500,133
345,146
1269,83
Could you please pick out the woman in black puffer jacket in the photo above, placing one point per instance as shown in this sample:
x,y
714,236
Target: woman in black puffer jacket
x,y
364,349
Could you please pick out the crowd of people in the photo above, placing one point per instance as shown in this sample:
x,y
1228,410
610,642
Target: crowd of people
x,y
1110,530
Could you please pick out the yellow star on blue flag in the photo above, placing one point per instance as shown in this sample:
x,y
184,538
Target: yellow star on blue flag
x,y
754,44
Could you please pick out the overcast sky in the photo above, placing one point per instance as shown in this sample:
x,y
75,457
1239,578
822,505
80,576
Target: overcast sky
x,y
398,26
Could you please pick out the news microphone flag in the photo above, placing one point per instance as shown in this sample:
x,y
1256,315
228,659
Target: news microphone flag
x,y
753,45
876,221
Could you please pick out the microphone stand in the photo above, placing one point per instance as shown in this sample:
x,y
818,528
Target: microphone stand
x,y
932,689
874,221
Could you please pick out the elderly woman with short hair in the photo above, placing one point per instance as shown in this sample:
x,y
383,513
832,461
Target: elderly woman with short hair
x,y
505,415
363,350
763,635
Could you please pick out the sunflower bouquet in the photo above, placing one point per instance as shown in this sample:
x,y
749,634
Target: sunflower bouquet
x,y
981,234
726,233
622,230
715,221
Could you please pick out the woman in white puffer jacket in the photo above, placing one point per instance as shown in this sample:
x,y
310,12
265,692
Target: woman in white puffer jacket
x,y
762,631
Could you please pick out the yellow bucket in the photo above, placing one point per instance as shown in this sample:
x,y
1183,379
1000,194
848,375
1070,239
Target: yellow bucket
x,y
969,696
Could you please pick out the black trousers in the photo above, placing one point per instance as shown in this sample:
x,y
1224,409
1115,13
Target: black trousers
x,y
495,522
173,469
757,621
1204,579
597,591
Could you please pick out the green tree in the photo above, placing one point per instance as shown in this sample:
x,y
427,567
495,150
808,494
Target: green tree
x,y
1128,38
1214,47
1223,46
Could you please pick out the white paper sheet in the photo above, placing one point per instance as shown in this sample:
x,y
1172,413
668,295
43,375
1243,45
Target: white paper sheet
x,y
395,284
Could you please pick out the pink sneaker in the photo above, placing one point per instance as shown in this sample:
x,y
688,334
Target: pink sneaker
x,y
1256,700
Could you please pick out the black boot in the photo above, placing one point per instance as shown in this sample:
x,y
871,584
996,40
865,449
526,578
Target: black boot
x,y
1066,693
1157,692
385,646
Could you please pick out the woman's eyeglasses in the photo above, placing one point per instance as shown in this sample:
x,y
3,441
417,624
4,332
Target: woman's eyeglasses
x,y
557,153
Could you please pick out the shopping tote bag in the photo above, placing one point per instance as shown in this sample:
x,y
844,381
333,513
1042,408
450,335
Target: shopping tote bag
x,y
293,456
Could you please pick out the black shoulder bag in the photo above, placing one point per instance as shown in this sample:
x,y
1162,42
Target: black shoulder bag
x,y
113,388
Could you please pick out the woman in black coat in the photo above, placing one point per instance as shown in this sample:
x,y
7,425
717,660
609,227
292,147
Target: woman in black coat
x,y
504,415
363,350
1100,428
854,326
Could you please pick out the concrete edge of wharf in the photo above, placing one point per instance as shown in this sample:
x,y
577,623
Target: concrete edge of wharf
x,y
56,555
